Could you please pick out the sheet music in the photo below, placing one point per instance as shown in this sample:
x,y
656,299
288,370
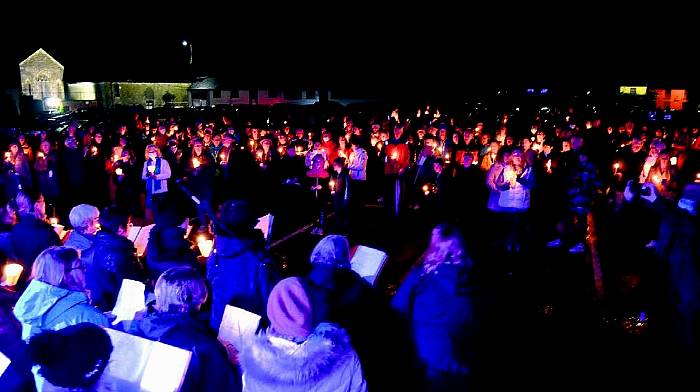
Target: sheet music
x,y
368,262
132,232
263,224
142,238
236,325
4,363
129,301
139,364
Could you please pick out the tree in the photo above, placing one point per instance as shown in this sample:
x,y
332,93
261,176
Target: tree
x,y
168,98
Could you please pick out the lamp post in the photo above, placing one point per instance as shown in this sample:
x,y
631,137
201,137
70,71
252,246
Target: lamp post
x,y
189,46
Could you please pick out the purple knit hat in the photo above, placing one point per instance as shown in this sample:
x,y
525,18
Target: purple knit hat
x,y
289,309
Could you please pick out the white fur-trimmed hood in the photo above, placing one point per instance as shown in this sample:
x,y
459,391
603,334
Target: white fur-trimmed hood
x,y
327,353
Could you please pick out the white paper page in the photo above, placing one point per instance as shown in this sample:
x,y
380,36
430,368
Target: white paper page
x,y
236,325
4,363
139,364
368,262
129,301
142,239
132,232
264,224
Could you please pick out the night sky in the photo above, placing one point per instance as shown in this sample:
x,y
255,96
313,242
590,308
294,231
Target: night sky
x,y
365,52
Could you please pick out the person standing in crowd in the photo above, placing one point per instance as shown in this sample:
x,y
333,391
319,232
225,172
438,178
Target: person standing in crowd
x,y
340,194
514,184
85,221
239,271
46,174
180,293
357,166
436,299
72,173
110,259
200,180
156,172
20,167
31,235
295,355
57,295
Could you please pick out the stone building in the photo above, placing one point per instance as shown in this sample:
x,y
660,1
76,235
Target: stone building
x,y
42,79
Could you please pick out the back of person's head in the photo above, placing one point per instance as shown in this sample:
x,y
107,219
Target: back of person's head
x,y
235,218
180,290
168,214
289,310
355,140
72,357
53,265
112,218
332,250
446,246
29,204
83,217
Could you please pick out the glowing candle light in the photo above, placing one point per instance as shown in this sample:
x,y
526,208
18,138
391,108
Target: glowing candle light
x,y
94,150
8,156
205,245
195,163
53,221
119,171
40,155
10,274
426,189
331,185
394,155
549,165
674,161
151,168
616,166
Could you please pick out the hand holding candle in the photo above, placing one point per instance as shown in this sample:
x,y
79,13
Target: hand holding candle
x,y
118,171
10,274
151,167
205,245
195,163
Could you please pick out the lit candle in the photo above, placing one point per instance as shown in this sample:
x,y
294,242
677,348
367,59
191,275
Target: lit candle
x,y
8,156
10,274
40,155
195,163
616,166
655,179
222,156
116,157
331,185
118,171
151,168
94,150
447,156
426,189
549,165
394,155
674,161
252,143
53,221
205,246
260,155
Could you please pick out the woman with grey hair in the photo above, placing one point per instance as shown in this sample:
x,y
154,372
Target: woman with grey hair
x,y
180,292
85,221
56,297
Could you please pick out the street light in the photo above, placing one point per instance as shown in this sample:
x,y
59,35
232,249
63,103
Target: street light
x,y
189,46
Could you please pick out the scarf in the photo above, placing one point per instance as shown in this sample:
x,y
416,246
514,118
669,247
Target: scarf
x,y
154,184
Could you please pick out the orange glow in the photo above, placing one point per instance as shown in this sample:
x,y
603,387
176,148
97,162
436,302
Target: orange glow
x,y
195,163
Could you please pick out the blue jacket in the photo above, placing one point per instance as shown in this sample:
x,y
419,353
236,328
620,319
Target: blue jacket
x,y
30,237
79,241
241,274
45,307
209,369
439,307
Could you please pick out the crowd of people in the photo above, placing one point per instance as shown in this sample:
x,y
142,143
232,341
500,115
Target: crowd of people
x,y
328,329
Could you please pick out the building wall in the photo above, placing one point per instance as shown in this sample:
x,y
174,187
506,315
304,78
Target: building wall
x,y
132,93
41,77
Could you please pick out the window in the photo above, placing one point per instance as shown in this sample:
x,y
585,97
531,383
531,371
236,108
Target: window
x,y
117,89
43,82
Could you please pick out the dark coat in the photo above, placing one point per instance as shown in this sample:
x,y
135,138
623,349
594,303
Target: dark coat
x,y
209,369
241,274
109,260
168,248
30,237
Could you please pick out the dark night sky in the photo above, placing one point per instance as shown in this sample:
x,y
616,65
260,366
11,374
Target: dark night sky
x,y
365,51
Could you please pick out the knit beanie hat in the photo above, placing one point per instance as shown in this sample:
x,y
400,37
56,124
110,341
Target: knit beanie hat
x,y
289,309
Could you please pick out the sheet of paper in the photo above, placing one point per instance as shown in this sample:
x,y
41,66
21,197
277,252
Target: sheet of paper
x,y
368,262
4,363
139,364
264,224
129,300
132,232
142,238
236,325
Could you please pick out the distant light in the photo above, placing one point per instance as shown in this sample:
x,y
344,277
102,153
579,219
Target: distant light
x,y
531,91
544,91
588,92
517,109
184,42
667,116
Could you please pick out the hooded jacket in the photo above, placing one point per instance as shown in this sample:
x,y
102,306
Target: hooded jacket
x,y
209,368
240,274
324,362
79,241
45,307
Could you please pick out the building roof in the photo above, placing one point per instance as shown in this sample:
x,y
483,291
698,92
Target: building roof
x,y
205,84
42,52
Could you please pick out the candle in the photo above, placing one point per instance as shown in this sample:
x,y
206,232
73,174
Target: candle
x,y
222,156
8,156
205,246
151,168
195,163
10,274
426,189
116,157
119,171
447,156
674,161
40,155
94,150
394,155
252,143
260,155
655,179
616,166
549,165
53,221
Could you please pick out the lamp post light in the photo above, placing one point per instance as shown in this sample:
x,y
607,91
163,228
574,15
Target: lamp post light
x,y
189,46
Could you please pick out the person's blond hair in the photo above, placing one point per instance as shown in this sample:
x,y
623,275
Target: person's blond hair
x,y
53,264
180,290
153,146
